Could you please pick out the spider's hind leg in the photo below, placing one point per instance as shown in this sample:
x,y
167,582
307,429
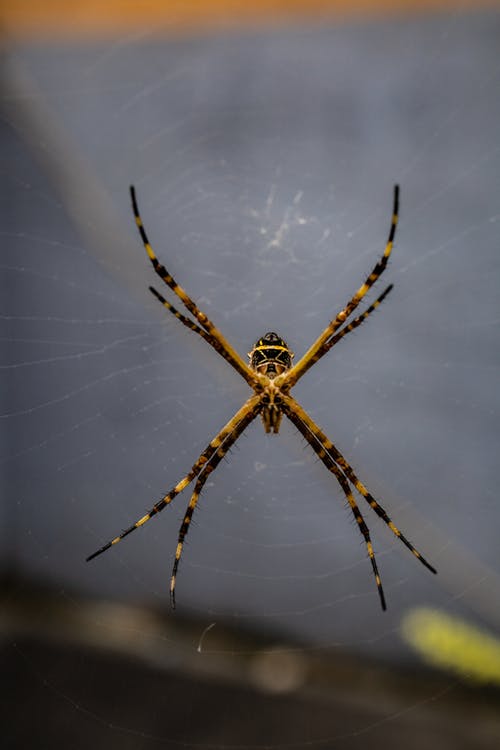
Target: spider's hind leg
x,y
214,337
318,348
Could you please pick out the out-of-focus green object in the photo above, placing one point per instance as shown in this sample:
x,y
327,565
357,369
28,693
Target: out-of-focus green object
x,y
452,644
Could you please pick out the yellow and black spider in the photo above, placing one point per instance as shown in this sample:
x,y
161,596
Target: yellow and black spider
x,y
271,374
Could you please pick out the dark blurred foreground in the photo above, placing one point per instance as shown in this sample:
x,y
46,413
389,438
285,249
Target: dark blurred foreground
x,y
84,674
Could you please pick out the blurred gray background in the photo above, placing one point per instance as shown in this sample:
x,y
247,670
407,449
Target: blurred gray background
x,y
264,163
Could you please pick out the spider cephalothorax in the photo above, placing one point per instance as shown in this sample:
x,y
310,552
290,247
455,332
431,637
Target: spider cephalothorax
x,y
271,376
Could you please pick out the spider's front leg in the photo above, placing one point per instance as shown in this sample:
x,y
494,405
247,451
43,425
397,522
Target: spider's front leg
x,y
244,416
337,464
321,451
210,466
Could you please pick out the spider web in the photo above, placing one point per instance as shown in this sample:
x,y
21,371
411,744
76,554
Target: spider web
x,y
264,165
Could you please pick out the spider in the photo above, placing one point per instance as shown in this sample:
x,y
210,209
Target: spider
x,y
270,373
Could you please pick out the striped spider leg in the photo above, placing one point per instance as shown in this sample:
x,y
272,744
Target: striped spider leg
x,y
214,337
320,346
337,464
209,467
236,425
271,374
221,443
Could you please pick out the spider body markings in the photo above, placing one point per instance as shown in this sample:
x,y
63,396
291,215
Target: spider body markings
x,y
271,374
270,357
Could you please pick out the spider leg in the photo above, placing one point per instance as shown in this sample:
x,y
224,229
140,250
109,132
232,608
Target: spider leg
x,y
192,326
186,321
321,451
352,326
210,466
247,412
231,355
288,379
294,407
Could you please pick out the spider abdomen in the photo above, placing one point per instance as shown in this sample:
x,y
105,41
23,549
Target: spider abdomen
x,y
270,355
